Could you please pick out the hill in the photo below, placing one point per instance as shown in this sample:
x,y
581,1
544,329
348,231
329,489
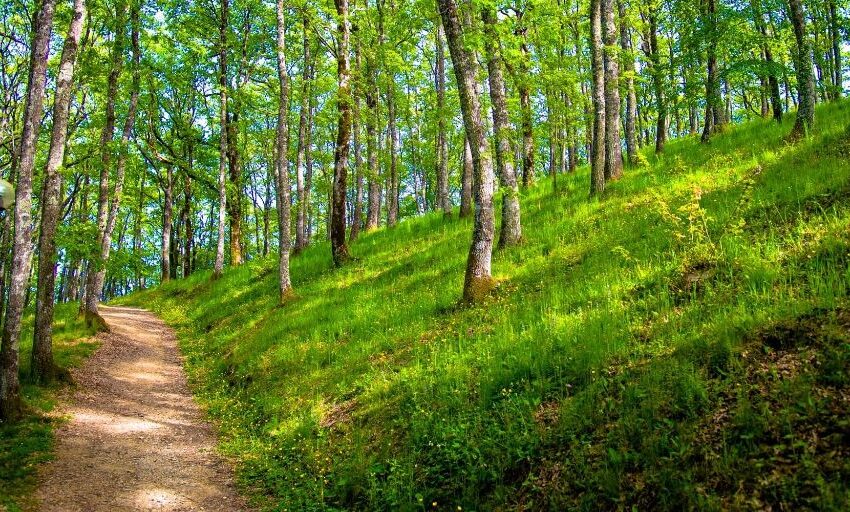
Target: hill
x,y
681,342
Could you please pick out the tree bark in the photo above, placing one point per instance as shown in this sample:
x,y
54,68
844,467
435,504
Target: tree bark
x,y
805,80
631,95
511,231
443,200
282,161
392,136
613,149
218,269
713,117
654,56
300,156
478,280
373,212
357,214
94,277
42,367
10,401
167,210
597,149
466,181
339,249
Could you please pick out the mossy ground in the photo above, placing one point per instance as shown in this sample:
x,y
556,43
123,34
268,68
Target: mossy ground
x,y
681,342
27,443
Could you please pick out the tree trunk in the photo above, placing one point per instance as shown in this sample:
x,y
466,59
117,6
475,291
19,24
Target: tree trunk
x,y
222,144
10,401
94,277
511,231
805,81
524,87
357,214
282,161
300,156
714,119
613,149
443,200
654,56
42,368
392,136
631,95
167,209
466,181
478,280
339,249
597,156
835,37
373,181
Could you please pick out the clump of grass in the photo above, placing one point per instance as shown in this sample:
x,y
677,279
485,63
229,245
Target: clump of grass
x,y
25,444
611,368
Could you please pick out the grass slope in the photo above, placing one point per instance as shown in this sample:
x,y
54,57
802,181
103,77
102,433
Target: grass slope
x,y
25,444
681,343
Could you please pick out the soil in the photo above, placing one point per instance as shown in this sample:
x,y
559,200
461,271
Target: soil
x,y
135,439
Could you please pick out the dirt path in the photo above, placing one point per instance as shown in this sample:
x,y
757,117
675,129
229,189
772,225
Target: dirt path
x,y
136,440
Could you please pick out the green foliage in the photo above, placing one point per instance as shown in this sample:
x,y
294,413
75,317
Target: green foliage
x,y
689,367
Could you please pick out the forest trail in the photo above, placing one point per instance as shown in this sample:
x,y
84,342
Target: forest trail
x,y
135,440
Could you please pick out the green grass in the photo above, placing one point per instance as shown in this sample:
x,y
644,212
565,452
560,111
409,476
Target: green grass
x,y
25,444
680,343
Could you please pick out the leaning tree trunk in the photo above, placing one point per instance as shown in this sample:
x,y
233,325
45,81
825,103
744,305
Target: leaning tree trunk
x,y
613,150
443,201
478,280
511,225
94,278
10,401
339,249
631,95
805,80
222,142
42,367
597,146
282,161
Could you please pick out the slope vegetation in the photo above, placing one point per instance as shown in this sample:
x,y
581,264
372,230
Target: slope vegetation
x,y
682,342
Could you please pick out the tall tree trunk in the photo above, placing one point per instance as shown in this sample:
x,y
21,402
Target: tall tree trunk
x,y
631,95
42,368
392,136
10,401
478,280
167,209
137,232
300,156
835,37
466,180
805,81
283,186
597,156
339,249
654,55
222,143
443,200
613,149
714,120
772,79
94,278
511,231
357,214
373,180
188,227
524,87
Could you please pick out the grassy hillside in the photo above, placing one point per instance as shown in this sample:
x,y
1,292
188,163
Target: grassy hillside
x,y
682,342
30,441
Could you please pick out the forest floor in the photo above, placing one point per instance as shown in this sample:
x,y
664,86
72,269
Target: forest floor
x,y
135,439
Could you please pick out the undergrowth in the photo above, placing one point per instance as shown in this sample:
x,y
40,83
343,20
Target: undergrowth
x,y
680,343
25,444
